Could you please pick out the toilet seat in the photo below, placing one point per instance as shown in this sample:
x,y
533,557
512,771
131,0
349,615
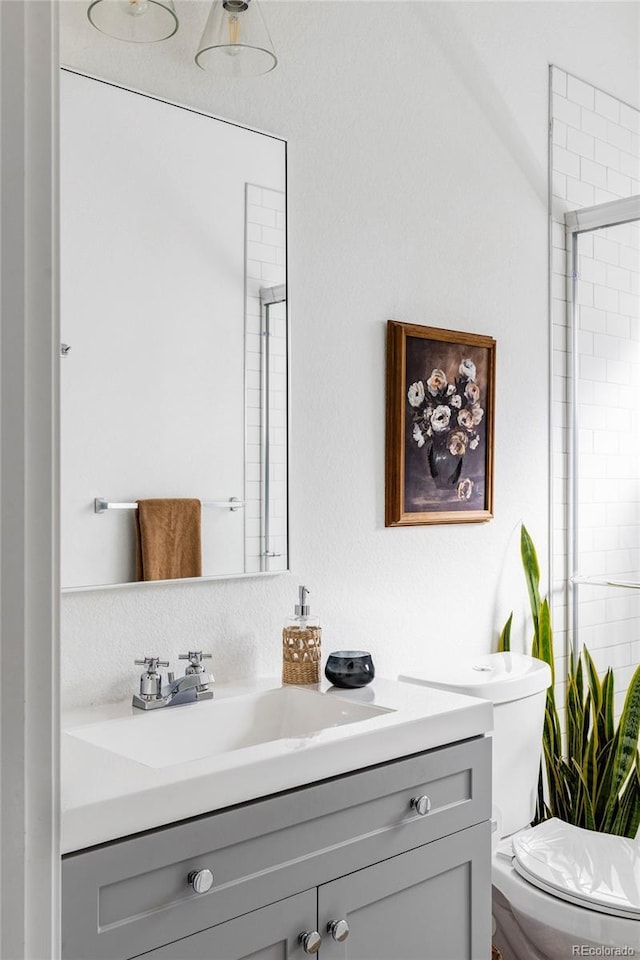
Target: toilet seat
x,y
543,917
597,871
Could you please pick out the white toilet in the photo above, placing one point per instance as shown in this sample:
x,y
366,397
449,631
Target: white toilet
x,y
558,891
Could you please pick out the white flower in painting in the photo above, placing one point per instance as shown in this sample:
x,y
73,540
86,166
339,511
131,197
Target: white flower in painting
x,y
457,444
436,382
450,389
474,443
418,435
456,401
465,489
472,392
465,419
467,369
477,413
440,419
416,393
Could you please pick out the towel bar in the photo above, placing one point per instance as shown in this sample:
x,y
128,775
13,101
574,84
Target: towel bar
x,y
605,581
101,505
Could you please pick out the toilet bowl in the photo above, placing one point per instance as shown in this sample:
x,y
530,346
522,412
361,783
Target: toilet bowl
x,y
558,891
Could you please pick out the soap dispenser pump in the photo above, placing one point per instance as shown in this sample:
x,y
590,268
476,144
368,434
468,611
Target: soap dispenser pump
x,y
301,644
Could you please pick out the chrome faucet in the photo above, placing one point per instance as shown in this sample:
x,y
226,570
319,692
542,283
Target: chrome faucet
x,y
196,684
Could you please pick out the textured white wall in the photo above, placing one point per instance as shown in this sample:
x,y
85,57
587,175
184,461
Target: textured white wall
x,y
418,191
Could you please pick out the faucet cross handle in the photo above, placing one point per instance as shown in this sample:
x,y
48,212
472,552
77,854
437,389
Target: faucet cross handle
x,y
195,658
152,663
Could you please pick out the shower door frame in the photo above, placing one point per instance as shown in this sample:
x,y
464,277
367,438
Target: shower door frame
x,y
577,222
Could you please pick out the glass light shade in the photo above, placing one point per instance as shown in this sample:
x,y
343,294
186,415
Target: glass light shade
x,y
138,21
236,42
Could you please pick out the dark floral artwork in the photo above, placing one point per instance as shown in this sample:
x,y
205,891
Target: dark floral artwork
x,y
445,418
445,425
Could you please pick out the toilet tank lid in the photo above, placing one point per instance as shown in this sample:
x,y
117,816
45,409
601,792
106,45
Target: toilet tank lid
x,y
499,677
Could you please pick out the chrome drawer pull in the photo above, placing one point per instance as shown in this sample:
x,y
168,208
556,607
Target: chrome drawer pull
x,y
339,930
421,805
201,880
310,941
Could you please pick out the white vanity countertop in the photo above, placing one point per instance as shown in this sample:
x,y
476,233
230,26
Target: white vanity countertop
x,y
107,796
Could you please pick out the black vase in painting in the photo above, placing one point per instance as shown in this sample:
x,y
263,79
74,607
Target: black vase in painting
x,y
445,467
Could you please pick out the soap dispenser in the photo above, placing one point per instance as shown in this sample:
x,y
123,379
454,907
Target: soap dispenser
x,y
301,644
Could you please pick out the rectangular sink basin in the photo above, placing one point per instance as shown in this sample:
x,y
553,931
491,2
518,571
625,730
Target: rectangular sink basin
x,y
174,735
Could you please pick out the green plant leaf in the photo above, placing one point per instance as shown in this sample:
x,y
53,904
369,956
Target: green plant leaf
x,y
574,718
605,765
626,747
559,798
587,723
588,819
541,806
504,641
545,638
608,725
570,782
578,714
551,730
558,788
576,670
590,759
576,679
532,575
594,682
628,817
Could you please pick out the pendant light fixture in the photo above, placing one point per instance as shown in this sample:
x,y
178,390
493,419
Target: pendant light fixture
x,y
138,21
236,42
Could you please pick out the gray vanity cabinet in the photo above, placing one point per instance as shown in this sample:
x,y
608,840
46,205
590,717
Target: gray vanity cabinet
x,y
427,904
267,934
401,851
431,903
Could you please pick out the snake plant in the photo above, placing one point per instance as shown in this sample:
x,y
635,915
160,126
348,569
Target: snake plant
x,y
592,774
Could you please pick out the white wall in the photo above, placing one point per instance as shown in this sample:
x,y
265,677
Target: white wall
x,y
418,191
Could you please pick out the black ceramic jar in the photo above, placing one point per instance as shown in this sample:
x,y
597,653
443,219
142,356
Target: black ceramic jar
x,y
349,668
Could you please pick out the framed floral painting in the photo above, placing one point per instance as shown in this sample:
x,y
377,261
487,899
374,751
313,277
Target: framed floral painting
x,y
440,399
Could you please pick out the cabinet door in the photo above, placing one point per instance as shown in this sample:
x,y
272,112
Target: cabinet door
x,y
267,934
432,903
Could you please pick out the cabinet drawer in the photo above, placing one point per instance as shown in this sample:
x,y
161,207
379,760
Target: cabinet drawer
x,y
129,896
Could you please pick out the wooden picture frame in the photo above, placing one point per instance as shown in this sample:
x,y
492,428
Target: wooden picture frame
x,y
440,417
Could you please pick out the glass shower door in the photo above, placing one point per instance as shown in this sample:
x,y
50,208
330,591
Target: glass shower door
x,y
604,435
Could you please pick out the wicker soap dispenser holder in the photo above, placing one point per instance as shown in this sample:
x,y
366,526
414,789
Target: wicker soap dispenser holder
x,y
301,644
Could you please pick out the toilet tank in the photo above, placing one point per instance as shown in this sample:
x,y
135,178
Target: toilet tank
x,y
516,685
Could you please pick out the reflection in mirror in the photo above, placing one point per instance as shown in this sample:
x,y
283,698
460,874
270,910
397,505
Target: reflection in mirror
x,y
174,321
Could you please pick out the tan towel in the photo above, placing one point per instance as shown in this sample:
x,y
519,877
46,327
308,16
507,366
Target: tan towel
x,y
168,539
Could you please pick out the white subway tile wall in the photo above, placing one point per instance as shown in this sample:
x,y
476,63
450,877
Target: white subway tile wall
x,y
595,157
265,267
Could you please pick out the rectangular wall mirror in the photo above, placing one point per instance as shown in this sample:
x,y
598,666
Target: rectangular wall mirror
x,y
174,362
